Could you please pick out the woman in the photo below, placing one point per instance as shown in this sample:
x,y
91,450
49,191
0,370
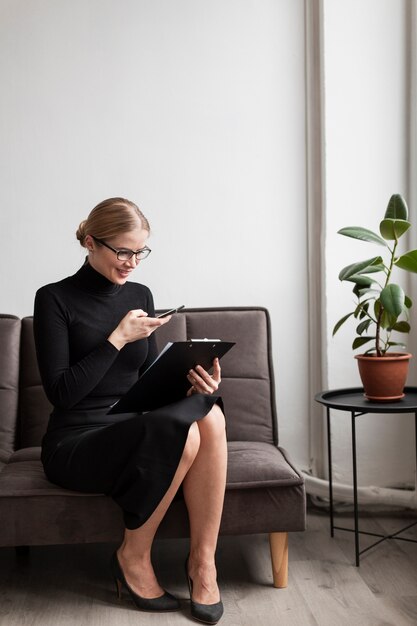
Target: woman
x,y
94,335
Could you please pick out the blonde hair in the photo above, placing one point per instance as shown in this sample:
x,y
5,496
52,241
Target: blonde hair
x,y
110,218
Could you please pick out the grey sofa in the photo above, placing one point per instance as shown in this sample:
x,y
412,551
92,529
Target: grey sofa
x,y
265,492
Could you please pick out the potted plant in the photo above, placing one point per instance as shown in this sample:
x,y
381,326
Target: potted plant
x,y
381,306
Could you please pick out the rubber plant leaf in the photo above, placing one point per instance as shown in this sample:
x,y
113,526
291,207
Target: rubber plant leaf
x,y
361,280
364,310
360,341
402,327
393,229
397,208
408,302
374,293
392,299
340,322
370,265
408,261
358,309
364,234
363,287
387,321
363,326
396,343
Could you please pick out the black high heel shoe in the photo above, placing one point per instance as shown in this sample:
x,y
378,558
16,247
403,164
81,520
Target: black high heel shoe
x,y
166,602
206,613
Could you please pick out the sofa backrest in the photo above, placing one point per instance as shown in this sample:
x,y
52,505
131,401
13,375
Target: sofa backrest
x,y
34,406
247,384
9,382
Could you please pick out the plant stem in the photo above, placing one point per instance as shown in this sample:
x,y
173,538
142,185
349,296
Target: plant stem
x,y
380,352
391,263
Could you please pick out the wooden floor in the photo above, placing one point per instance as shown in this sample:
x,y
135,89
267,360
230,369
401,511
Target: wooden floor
x,y
71,585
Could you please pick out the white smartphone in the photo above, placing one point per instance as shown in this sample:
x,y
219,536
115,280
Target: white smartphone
x,y
171,311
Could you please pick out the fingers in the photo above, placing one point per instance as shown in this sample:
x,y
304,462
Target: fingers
x,y
152,323
141,325
162,320
216,370
141,313
138,313
135,325
201,380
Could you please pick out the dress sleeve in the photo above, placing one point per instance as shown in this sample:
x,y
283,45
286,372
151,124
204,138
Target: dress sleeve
x,y
65,385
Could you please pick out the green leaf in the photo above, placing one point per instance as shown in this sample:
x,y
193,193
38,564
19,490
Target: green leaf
x,y
407,302
408,261
392,299
396,343
386,320
357,232
370,265
361,280
360,341
402,327
374,293
357,310
393,229
363,326
372,269
340,322
397,208
364,310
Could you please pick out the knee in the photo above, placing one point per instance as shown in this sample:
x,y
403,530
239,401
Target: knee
x,y
213,424
192,444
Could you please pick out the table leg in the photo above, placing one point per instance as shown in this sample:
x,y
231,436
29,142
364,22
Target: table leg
x,y
415,439
329,457
355,489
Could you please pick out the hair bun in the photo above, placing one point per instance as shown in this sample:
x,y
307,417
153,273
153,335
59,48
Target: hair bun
x,y
80,234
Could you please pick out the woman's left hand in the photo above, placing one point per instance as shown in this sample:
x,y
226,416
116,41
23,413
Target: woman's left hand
x,y
201,380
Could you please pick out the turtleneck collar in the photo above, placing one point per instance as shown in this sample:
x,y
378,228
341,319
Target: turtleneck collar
x,y
88,279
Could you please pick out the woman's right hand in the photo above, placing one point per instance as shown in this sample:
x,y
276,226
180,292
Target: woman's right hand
x,y
135,325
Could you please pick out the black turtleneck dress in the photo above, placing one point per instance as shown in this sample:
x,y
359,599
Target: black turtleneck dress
x,y
130,456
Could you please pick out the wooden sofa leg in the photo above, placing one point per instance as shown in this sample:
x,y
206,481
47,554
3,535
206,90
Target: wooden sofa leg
x,y
278,542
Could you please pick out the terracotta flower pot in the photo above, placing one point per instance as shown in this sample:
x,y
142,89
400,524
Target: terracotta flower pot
x,y
384,377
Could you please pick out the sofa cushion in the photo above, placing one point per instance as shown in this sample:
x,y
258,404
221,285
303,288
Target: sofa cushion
x,y
254,464
251,465
4,456
27,478
26,454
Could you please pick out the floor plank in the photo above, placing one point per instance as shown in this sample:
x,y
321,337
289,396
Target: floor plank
x,y
72,585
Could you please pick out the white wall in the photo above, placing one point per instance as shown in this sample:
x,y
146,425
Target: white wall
x,y
193,109
366,87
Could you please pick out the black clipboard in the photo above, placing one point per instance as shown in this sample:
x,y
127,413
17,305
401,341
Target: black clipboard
x,y
165,380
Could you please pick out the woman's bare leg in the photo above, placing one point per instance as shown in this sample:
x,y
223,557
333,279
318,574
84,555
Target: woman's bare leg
x,y
204,487
135,552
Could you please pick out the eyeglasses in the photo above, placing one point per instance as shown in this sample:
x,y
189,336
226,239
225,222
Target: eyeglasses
x,y
124,254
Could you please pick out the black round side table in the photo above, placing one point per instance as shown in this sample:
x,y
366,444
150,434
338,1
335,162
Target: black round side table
x,y
354,401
